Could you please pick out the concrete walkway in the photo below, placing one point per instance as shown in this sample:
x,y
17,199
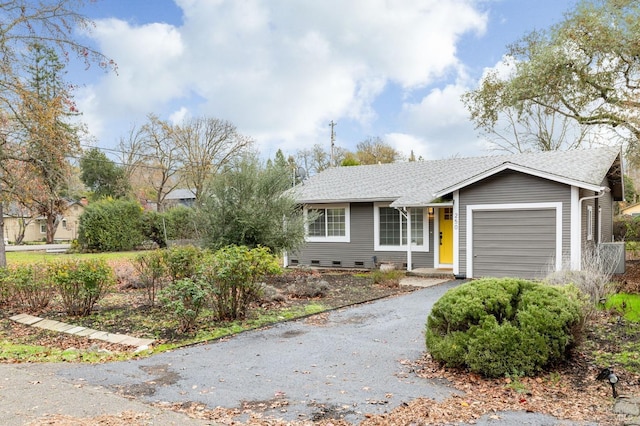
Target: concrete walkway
x,y
76,330
52,248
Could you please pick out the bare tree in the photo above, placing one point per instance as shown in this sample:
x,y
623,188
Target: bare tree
x,y
162,167
131,149
205,145
536,130
375,150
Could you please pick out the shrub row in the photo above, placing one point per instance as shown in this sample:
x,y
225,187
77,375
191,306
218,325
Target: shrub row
x,y
499,327
119,225
80,284
187,279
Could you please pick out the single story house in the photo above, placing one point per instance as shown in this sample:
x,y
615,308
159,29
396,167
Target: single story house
x,y
36,226
631,210
518,215
180,197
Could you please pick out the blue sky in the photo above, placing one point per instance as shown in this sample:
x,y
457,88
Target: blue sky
x,y
281,70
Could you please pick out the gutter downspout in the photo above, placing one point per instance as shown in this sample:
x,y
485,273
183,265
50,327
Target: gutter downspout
x,y
603,190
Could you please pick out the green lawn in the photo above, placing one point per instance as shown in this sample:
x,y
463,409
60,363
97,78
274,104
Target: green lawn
x,y
628,305
16,257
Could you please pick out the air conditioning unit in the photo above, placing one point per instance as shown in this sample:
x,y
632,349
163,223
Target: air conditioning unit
x,y
614,253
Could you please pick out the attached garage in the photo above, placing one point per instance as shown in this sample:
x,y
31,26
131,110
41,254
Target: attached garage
x,y
515,240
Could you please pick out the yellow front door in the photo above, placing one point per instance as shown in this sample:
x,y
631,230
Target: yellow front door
x,y
446,235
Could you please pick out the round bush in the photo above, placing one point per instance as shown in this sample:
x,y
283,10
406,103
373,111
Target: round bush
x,y
497,327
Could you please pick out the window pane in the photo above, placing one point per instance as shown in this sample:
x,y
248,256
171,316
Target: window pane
x,y
417,227
336,220
317,226
390,227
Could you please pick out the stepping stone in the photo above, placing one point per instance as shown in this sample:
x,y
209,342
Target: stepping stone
x,y
26,319
114,338
137,342
62,327
47,324
75,330
18,317
86,332
98,335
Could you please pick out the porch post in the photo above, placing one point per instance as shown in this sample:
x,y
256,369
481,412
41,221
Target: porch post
x,y
409,257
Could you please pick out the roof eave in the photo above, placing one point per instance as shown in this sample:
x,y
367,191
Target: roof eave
x,y
344,200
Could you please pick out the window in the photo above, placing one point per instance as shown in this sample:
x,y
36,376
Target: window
x,y
329,223
64,223
390,232
43,228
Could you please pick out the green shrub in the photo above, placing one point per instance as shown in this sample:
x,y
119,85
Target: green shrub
x,y
182,223
497,327
185,298
82,283
153,229
152,270
182,261
30,286
111,225
177,223
5,291
387,278
232,274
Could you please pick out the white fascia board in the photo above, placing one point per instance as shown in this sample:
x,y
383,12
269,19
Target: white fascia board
x,y
343,200
521,169
400,204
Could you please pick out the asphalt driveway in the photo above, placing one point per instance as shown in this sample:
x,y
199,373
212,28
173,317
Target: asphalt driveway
x,y
345,363
349,363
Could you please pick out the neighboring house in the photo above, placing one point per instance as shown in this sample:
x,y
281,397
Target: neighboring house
x,y
36,229
631,210
177,197
515,215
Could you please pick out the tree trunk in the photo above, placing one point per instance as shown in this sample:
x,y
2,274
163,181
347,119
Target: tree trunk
x,y
52,227
3,254
22,229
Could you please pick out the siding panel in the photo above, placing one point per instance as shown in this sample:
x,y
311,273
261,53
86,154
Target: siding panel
x,y
510,187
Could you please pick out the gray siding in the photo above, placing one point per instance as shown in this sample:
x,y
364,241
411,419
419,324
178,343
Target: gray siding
x,y
359,252
606,203
510,187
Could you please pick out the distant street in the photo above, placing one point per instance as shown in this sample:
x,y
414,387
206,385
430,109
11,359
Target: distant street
x,y
37,247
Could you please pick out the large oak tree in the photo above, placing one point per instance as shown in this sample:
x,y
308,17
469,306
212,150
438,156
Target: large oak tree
x,y
585,69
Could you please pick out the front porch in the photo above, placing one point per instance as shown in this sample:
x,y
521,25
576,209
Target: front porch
x,y
446,273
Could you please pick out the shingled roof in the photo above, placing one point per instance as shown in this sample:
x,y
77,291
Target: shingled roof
x,y
420,182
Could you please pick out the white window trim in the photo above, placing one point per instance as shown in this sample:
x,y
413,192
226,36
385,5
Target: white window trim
x,y
376,232
43,227
333,239
589,223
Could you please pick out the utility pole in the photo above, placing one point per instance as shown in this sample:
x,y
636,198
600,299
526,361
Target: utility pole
x,y
333,140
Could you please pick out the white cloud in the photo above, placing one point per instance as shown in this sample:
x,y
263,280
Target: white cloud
x,y
178,117
442,123
281,70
